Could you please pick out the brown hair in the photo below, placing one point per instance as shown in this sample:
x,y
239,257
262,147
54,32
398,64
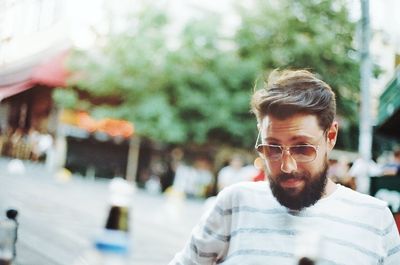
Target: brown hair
x,y
290,92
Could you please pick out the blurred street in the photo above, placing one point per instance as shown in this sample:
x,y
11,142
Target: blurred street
x,y
59,217
165,92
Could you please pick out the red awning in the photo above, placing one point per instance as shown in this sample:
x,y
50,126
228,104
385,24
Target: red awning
x,y
10,90
52,72
49,72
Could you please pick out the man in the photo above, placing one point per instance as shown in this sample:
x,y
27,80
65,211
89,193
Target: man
x,y
235,172
393,168
300,215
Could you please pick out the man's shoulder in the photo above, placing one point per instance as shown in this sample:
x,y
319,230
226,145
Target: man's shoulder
x,y
247,194
249,186
356,197
246,190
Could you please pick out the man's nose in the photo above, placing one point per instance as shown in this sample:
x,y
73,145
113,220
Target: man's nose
x,y
288,163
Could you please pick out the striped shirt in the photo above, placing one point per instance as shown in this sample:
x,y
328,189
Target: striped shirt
x,y
247,225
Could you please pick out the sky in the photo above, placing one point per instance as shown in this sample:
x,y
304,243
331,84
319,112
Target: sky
x,y
383,15
83,14
180,10
80,17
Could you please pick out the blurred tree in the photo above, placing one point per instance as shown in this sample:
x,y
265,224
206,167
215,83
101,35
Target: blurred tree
x,y
313,34
180,90
195,87
131,66
210,86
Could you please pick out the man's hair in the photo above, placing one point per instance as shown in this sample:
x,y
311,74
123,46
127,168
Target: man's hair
x,y
291,92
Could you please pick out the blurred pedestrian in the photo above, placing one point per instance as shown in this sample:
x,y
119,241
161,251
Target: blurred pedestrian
x,y
299,214
361,171
235,172
338,172
393,168
193,181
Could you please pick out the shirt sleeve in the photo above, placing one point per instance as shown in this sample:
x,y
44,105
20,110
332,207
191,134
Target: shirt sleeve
x,y
209,239
391,240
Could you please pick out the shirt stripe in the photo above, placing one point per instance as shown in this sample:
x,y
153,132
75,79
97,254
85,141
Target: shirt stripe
x,y
248,226
200,253
336,219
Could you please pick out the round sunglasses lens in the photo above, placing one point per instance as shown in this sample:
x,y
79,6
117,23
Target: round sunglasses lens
x,y
303,153
300,153
270,152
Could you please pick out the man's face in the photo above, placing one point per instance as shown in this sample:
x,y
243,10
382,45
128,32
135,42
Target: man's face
x,y
297,184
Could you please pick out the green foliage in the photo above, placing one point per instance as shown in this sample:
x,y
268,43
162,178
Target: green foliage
x,y
65,98
196,87
210,86
313,34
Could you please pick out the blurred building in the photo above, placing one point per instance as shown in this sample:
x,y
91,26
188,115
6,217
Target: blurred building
x,y
35,39
389,108
385,48
385,53
98,148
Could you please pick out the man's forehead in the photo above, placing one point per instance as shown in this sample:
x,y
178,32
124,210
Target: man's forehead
x,y
297,126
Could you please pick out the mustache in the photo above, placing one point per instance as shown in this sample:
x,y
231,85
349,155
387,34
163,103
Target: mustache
x,y
295,175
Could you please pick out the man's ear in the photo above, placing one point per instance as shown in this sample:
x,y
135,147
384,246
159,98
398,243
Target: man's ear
x,y
332,134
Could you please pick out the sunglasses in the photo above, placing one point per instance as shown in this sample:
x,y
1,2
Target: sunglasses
x,y
302,153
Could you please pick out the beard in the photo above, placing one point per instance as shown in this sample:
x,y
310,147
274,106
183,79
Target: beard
x,y
295,199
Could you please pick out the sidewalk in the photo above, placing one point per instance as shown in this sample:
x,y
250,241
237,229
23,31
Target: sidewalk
x,y
59,218
11,166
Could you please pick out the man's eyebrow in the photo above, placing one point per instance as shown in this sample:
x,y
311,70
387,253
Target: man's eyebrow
x,y
294,138
302,137
271,139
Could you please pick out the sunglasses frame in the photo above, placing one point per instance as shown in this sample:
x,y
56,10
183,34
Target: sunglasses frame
x,y
285,148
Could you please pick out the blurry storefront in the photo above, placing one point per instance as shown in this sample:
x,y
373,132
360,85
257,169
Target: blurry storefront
x,y
79,143
104,148
389,108
388,125
26,103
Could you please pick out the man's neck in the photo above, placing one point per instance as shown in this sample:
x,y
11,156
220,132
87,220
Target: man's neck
x,y
329,188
